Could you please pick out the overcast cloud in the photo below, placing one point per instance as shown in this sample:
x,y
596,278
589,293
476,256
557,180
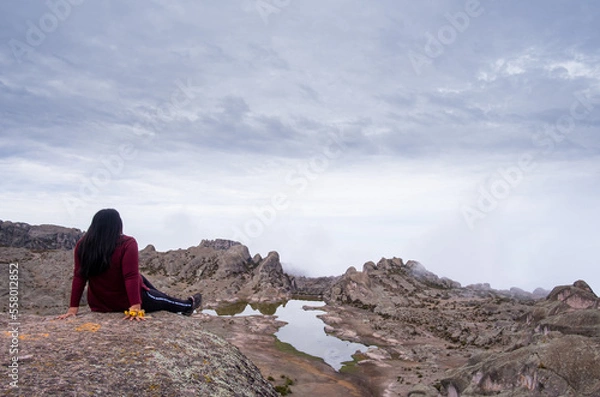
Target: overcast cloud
x,y
461,134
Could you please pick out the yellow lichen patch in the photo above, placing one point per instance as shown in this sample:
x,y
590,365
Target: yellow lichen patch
x,y
88,327
26,336
33,336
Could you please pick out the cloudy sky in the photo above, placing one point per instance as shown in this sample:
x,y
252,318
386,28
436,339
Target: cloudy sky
x,y
461,134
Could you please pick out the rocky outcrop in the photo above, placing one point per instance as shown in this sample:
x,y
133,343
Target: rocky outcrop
x,y
422,303
388,285
421,274
219,244
42,237
573,297
312,286
269,280
44,278
99,354
512,341
223,270
513,293
558,353
551,366
570,309
433,336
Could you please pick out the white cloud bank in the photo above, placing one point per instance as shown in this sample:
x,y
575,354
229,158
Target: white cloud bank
x,y
462,134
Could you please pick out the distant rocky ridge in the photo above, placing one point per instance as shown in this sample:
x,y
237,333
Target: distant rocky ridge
x,y
465,341
237,275
42,237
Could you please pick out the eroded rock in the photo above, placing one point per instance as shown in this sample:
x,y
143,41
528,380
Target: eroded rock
x,y
42,237
101,354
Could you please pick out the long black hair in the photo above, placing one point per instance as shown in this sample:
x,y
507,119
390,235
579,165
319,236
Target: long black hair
x,y
99,242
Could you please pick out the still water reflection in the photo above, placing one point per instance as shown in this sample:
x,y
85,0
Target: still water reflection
x,y
303,330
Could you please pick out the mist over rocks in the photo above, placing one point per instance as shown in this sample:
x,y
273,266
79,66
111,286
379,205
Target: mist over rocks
x,y
388,285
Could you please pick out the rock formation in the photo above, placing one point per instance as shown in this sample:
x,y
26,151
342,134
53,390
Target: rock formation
x,y
223,270
311,287
429,336
43,237
44,278
558,353
100,354
469,341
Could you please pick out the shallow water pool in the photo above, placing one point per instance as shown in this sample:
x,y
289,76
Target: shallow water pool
x,y
304,331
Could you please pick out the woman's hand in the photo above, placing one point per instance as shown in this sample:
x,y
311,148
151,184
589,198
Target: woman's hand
x,y
72,312
135,312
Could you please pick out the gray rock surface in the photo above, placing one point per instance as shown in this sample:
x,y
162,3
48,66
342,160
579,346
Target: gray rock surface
x,y
312,286
515,345
42,237
558,353
222,270
44,279
99,354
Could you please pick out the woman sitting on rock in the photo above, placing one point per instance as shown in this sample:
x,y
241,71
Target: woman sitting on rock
x,y
107,260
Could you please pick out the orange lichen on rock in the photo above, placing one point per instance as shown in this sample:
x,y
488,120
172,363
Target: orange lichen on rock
x,y
88,327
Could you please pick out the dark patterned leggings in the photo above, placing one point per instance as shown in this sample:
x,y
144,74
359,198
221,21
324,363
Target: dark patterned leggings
x,y
153,300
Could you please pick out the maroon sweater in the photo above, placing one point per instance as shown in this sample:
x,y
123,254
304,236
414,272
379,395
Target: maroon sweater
x,y
116,289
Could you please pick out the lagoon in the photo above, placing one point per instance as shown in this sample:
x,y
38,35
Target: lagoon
x,y
304,331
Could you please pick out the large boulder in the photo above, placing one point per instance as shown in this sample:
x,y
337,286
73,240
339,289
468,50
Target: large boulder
x,y
574,297
103,355
570,309
551,366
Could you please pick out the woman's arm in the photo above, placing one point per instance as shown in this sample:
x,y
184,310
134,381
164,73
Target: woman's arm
x,y
77,287
131,272
130,267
